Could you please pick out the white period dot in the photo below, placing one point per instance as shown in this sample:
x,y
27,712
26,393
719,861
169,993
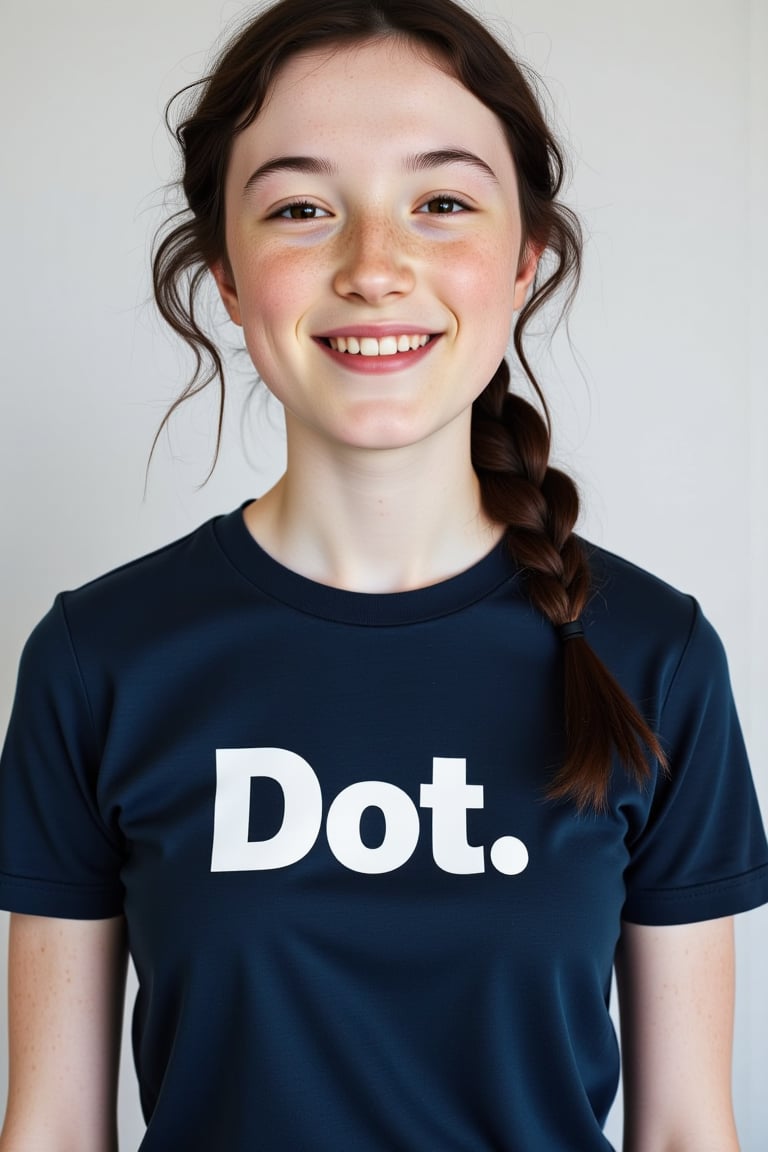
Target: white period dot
x,y
509,855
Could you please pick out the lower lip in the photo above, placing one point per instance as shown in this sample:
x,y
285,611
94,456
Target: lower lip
x,y
376,365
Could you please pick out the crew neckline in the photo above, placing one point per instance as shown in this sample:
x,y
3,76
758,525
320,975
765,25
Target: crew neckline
x,y
364,608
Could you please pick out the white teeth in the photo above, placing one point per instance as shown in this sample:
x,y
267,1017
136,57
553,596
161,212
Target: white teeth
x,y
370,346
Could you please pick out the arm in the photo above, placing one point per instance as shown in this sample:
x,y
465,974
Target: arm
x,y
676,989
66,986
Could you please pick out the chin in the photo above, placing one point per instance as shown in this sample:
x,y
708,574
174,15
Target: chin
x,y
392,435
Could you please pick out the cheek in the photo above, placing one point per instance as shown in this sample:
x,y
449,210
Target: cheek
x,y
484,284
274,290
270,287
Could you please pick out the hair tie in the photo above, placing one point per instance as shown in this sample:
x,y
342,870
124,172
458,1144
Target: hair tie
x,y
571,630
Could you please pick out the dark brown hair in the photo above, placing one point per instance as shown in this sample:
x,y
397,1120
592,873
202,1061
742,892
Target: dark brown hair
x,y
510,437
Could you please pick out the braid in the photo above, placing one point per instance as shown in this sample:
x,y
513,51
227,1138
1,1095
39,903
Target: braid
x,y
540,505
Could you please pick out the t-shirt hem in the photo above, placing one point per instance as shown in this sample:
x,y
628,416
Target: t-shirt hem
x,y
43,898
659,907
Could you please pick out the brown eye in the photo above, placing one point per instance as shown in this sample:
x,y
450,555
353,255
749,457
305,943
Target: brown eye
x,y
301,210
444,206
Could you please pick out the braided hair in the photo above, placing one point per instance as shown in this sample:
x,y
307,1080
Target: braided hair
x,y
511,438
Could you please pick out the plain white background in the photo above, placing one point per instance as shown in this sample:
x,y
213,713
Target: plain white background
x,y
660,398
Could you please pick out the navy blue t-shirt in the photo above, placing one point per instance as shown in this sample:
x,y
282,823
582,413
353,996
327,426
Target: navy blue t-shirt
x,y
357,921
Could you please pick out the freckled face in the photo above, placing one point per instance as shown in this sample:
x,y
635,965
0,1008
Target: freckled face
x,y
373,236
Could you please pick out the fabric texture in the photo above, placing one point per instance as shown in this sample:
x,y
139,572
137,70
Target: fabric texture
x,y
356,920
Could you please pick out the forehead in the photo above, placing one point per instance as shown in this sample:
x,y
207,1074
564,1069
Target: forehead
x,y
386,86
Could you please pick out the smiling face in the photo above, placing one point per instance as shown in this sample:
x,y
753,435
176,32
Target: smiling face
x,y
373,239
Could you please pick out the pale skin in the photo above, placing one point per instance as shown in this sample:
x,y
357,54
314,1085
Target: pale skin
x,y
66,986
409,224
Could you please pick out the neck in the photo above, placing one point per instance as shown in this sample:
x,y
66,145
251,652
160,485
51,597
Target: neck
x,y
376,521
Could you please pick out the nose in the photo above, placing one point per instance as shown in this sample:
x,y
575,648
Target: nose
x,y
374,264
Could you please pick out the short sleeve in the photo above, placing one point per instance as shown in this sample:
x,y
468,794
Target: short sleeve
x,y
702,852
58,857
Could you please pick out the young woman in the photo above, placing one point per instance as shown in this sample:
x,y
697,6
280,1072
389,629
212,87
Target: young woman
x,y
380,775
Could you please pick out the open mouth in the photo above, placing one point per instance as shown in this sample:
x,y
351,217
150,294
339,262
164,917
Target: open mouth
x,y
372,347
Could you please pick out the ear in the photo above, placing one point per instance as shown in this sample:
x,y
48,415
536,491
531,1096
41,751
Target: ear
x,y
526,270
225,282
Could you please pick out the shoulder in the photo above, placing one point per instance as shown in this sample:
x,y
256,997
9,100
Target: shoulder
x,y
630,599
150,570
641,626
161,590
618,586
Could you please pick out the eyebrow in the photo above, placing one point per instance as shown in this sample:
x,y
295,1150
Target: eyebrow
x,y
313,165
421,161
417,162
